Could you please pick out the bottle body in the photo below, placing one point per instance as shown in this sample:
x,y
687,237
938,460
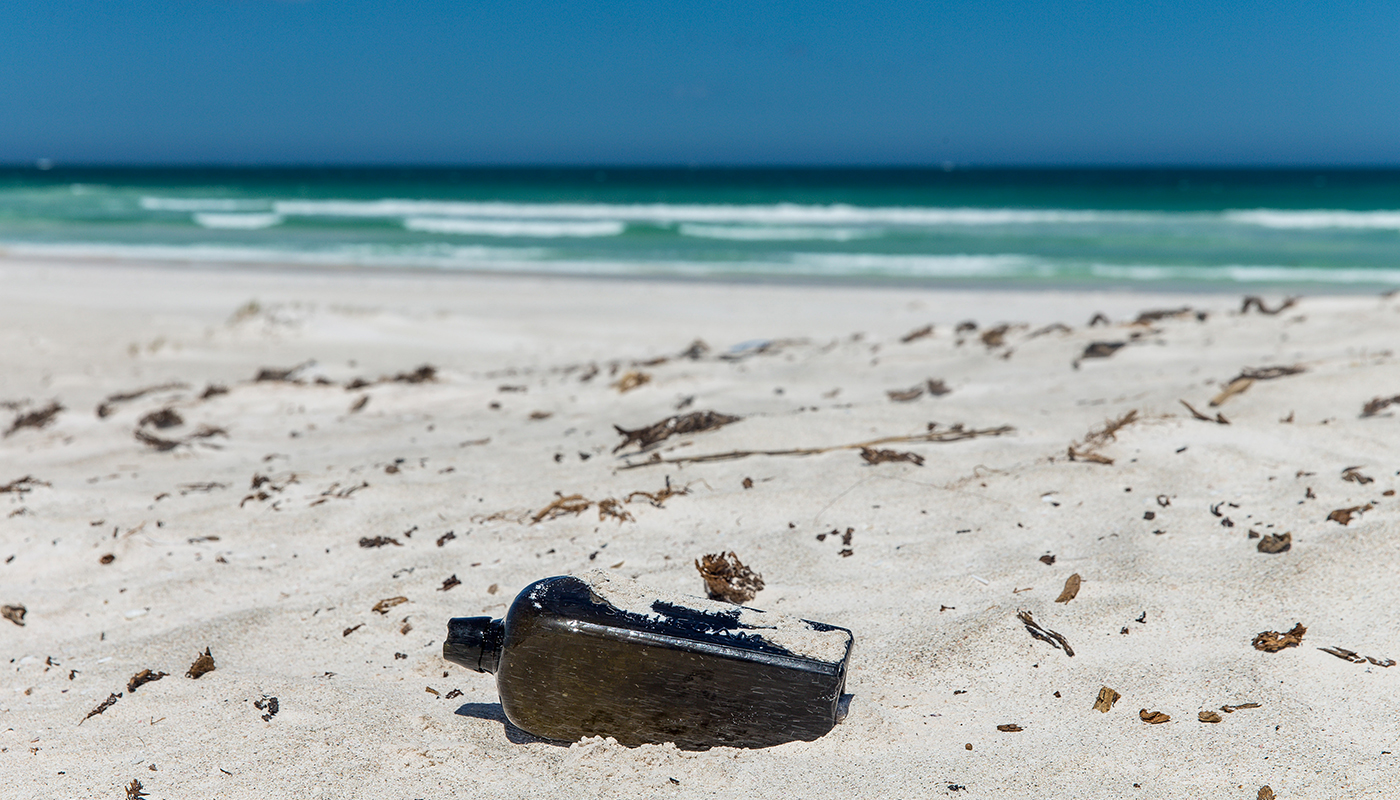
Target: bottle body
x,y
573,663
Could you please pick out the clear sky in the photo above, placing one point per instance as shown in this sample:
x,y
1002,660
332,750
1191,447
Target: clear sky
x,y
711,82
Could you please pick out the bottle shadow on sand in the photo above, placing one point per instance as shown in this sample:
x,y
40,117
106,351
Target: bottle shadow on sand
x,y
494,713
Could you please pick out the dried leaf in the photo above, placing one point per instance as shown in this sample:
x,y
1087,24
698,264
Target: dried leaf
x,y
1208,716
142,678
101,707
383,606
1357,658
1345,515
1233,709
1273,641
14,614
1234,387
873,456
694,422
1153,717
906,395
1009,728
1276,543
1071,589
450,582
728,579
202,665
1265,793
1107,697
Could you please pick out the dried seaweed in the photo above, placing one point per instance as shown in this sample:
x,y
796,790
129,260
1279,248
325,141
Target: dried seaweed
x,y
1047,560
916,334
1208,716
134,791
1011,728
1232,709
659,498
1351,475
996,337
562,505
632,379
956,433
450,582
694,422
23,485
1101,349
426,373
142,678
1253,301
1097,438
35,419
1219,418
1344,516
1071,589
269,705
1153,717
383,606
1248,376
1265,793
445,538
905,395
873,456
1378,404
1356,658
14,614
612,507
213,390
369,542
1107,697
1276,543
164,418
103,706
107,406
1273,641
202,665
1044,634
1158,314
163,445
728,579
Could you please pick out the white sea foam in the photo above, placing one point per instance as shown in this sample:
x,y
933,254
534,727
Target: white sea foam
x,y
753,233
1247,273
1316,219
522,228
930,266
202,204
242,222
666,214
435,256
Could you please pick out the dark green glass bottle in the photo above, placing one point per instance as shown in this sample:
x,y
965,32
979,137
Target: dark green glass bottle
x,y
602,656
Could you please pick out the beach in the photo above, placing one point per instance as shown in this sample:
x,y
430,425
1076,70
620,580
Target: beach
x,y
305,472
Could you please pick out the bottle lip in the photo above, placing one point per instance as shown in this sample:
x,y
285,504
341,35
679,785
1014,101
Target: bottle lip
x,y
474,642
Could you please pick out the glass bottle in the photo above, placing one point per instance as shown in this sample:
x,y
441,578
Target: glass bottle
x,y
599,655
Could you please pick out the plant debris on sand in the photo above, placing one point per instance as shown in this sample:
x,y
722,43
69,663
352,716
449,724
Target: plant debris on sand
x,y
1071,589
1107,697
1248,376
101,707
106,407
1044,634
934,388
202,665
1253,301
35,419
1219,418
1153,717
163,445
383,606
1344,516
1357,658
1095,439
23,485
14,614
956,433
1273,641
134,790
1276,543
694,422
142,678
1378,404
873,456
728,579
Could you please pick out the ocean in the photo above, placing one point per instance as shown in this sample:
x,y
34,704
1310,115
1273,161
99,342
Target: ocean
x,y
1295,229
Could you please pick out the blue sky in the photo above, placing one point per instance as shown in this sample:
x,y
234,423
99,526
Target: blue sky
x,y
752,82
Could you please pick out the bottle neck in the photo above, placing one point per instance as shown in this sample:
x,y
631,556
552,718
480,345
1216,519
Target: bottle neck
x,y
474,642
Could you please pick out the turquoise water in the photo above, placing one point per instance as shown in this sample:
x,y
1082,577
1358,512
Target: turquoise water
x,y
1225,228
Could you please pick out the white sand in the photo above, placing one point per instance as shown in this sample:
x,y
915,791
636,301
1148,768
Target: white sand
x,y
285,577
